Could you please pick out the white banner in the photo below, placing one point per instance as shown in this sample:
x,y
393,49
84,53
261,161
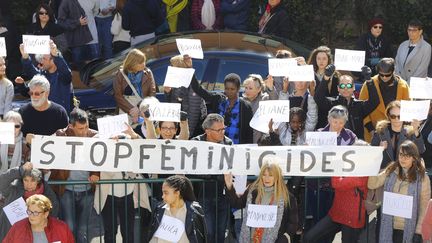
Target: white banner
x,y
170,229
420,88
417,109
7,133
191,47
397,205
278,110
165,112
349,60
301,73
197,157
321,138
178,77
3,52
36,44
112,125
278,67
261,216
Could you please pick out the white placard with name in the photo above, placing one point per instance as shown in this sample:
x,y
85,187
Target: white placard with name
x,y
261,216
165,112
178,77
416,109
321,138
397,205
278,110
170,229
191,47
349,60
7,133
301,73
16,210
36,44
112,125
240,182
278,67
3,52
420,88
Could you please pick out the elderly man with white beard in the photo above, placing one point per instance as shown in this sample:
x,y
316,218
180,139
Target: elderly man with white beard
x,y
41,116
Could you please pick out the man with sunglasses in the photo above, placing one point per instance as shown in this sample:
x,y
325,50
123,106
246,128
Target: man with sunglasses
x,y
389,87
413,55
357,109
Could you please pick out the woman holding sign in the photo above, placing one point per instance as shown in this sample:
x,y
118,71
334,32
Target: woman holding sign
x,y
405,183
267,194
180,218
39,226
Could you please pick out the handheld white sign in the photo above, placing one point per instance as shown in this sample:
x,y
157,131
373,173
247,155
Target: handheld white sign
x,y
170,229
112,125
278,110
240,182
36,44
420,88
278,67
16,210
397,205
349,60
416,109
301,73
321,138
7,133
178,77
3,52
191,47
261,216
165,112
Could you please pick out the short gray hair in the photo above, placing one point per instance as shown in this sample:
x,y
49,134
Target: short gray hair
x,y
33,173
338,112
13,116
211,119
41,81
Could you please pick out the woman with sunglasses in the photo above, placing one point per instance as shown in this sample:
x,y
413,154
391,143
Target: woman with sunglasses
x,y
39,226
406,176
391,133
374,43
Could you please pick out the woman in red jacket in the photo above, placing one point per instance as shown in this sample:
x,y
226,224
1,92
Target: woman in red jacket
x,y
39,227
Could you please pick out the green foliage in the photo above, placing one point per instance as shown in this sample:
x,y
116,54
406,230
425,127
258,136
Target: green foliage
x,y
22,12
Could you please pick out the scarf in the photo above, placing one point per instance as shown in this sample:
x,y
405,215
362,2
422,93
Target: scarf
x,y
208,14
136,79
264,19
39,190
386,231
173,8
270,234
16,157
374,45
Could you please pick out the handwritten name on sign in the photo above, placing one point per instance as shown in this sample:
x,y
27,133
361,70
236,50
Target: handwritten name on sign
x,y
261,216
178,77
170,229
349,60
397,205
165,112
3,52
191,47
112,125
16,210
198,157
301,73
416,109
278,67
278,110
36,44
420,88
321,138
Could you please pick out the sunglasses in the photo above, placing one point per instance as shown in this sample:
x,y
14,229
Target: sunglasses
x,y
393,116
377,27
43,13
345,86
17,125
31,93
385,75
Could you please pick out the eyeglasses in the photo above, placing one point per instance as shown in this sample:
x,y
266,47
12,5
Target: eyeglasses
x,y
17,125
43,13
31,93
168,128
34,213
403,155
393,116
385,75
218,130
346,86
377,27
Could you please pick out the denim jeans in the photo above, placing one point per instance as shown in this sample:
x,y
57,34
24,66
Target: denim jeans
x,y
76,208
103,26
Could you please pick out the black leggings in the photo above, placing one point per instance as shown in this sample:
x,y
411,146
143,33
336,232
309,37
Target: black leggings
x,y
327,228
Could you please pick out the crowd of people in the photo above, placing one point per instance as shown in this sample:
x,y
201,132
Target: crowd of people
x,y
327,103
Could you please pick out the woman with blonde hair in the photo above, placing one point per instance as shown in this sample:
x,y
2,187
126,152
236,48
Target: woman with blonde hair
x,y
268,189
134,81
